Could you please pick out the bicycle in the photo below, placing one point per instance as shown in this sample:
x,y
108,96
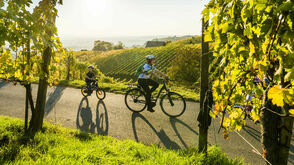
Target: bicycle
x,y
100,92
171,103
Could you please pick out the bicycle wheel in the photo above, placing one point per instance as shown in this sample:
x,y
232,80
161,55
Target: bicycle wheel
x,y
84,91
100,93
135,100
173,104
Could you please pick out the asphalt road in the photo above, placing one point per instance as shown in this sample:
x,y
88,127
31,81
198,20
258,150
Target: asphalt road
x,y
67,107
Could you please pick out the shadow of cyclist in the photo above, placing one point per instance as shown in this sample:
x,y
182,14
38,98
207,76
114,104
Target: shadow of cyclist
x,y
84,112
167,142
101,118
173,122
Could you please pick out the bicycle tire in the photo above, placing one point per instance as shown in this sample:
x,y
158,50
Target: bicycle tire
x,y
169,98
133,102
100,93
83,91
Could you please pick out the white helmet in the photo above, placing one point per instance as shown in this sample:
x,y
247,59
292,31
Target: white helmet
x,y
91,66
149,57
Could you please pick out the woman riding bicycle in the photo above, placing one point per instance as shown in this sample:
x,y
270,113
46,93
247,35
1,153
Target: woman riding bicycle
x,y
145,80
90,78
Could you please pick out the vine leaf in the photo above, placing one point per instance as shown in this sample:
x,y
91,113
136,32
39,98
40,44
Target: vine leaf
x,y
276,94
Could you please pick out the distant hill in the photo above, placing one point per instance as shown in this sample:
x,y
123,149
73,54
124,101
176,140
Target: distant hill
x,y
173,38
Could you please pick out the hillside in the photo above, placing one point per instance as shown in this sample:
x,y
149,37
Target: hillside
x,y
123,63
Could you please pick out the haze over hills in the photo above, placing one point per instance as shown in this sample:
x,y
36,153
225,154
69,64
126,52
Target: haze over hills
x,y
128,41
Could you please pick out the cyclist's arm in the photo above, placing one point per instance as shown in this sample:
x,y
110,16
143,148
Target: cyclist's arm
x,y
154,75
160,73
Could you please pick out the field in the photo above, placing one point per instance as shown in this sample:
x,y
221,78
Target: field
x,y
123,63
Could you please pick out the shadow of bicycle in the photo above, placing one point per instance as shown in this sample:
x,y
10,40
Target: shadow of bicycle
x,y
84,117
173,122
167,142
102,122
84,121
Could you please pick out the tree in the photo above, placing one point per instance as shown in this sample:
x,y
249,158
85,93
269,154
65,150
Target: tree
x,y
185,66
32,36
118,46
255,38
102,46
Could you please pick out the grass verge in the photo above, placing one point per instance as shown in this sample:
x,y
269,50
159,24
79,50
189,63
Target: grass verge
x,y
57,145
122,87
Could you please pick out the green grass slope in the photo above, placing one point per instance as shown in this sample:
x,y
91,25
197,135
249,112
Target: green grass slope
x,y
56,145
124,64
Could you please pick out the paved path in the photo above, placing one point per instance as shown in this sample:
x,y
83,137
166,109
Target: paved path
x,y
67,107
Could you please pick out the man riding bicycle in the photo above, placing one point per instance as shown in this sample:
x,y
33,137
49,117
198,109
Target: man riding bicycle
x,y
90,78
145,80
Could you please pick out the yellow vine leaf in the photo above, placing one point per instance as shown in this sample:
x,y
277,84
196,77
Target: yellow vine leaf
x,y
276,94
239,127
291,111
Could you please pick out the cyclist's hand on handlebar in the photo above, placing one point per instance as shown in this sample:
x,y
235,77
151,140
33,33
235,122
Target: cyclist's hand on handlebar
x,y
166,78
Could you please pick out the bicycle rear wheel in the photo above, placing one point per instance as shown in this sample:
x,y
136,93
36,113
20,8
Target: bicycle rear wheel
x,y
135,100
100,93
173,104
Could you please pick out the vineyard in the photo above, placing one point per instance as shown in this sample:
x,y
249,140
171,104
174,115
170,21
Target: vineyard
x,y
123,64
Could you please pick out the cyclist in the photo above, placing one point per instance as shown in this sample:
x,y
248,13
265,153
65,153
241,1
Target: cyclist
x,y
90,78
145,80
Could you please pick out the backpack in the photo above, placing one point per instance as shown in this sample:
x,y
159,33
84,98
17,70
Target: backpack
x,y
140,69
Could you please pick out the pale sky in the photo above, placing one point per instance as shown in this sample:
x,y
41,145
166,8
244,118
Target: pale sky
x,y
96,19
111,18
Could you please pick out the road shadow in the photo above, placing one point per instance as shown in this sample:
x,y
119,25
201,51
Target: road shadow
x,y
2,83
53,98
84,117
167,142
102,122
252,132
291,155
173,122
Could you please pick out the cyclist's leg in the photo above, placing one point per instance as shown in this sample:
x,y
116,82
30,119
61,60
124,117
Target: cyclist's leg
x,y
89,82
152,83
143,83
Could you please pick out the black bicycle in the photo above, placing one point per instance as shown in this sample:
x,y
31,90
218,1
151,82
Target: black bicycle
x,y
100,92
171,103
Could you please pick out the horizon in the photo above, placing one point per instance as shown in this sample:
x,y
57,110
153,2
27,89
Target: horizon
x,y
78,43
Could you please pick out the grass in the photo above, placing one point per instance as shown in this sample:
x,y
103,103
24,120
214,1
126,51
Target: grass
x,y
57,145
120,87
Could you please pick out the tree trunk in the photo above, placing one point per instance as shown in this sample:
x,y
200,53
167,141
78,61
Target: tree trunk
x,y
38,115
68,68
26,110
270,130
203,115
285,139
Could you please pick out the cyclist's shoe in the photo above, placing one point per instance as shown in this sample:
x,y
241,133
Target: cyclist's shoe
x,y
150,109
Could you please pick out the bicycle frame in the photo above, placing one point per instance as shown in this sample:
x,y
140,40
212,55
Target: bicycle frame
x,y
161,89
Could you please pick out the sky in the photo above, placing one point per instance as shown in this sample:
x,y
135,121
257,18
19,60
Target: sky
x,y
125,18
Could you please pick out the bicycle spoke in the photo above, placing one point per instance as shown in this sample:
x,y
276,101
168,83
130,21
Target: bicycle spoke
x,y
173,104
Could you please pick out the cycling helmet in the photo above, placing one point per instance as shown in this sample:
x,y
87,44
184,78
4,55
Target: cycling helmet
x,y
149,57
91,66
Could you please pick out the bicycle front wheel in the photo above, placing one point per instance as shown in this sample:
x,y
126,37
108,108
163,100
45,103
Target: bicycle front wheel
x,y
84,91
135,100
100,93
173,104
